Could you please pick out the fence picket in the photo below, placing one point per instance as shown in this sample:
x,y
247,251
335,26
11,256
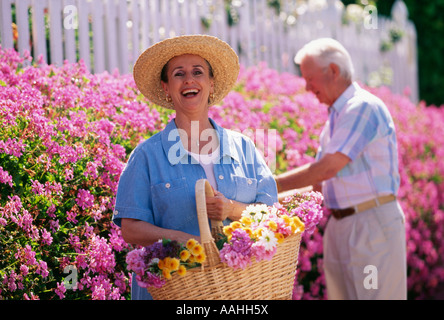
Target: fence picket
x,y
55,29
70,37
122,39
6,24
83,32
98,36
22,17
38,29
110,35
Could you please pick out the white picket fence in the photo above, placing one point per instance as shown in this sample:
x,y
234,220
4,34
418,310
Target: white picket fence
x,y
110,34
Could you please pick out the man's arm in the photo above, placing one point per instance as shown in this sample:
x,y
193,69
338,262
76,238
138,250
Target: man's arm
x,y
312,174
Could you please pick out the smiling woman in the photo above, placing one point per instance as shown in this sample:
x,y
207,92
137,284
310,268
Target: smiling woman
x,y
190,85
156,193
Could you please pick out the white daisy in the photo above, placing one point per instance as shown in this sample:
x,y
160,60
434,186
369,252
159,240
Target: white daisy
x,y
268,239
256,212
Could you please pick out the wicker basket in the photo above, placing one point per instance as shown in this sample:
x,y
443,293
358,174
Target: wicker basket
x,y
264,280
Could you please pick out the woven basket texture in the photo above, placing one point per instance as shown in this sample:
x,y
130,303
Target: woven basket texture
x,y
264,280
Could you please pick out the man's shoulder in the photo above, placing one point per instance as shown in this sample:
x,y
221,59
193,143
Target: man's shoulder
x,y
363,98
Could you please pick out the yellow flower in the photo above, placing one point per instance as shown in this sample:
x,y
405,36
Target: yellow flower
x,y
182,271
196,250
166,263
190,244
184,255
286,219
258,232
273,225
236,225
228,230
200,257
280,237
161,264
299,224
173,264
166,273
246,221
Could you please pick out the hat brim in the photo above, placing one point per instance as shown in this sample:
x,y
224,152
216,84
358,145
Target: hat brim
x,y
222,58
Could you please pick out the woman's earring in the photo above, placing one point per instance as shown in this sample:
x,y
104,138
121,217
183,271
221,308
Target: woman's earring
x,y
211,97
168,99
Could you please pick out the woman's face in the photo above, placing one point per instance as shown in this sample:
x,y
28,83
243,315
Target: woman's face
x,y
189,83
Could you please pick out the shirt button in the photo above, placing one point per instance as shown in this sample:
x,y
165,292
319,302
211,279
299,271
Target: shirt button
x,y
167,185
249,181
116,212
221,177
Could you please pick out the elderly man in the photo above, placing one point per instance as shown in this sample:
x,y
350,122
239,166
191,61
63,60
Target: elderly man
x,y
357,168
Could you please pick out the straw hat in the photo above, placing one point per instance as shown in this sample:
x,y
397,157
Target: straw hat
x,y
219,54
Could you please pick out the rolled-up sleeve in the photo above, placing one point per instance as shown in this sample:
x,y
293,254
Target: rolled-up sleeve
x,y
266,185
133,199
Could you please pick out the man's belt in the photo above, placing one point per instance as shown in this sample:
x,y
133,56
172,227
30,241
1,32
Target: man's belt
x,y
342,213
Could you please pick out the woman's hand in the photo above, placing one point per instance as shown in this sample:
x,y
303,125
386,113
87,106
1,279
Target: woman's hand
x,y
220,208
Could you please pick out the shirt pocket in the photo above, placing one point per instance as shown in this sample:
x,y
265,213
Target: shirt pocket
x,y
172,205
246,189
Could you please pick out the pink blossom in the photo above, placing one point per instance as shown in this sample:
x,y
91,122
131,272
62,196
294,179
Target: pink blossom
x,y
84,199
60,290
5,177
71,216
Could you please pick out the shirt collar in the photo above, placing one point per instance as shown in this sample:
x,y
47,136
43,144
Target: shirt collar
x,y
170,139
340,102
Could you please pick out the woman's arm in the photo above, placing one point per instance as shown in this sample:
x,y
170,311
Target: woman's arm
x,y
143,233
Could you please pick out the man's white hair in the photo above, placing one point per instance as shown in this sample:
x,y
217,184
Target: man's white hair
x,y
326,51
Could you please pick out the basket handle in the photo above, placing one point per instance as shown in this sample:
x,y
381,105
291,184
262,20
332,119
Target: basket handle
x,y
203,189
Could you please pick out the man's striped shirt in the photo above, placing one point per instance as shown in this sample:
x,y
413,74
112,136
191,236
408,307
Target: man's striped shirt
x,y
361,127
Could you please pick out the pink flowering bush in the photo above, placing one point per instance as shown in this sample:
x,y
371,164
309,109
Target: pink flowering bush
x,y
65,136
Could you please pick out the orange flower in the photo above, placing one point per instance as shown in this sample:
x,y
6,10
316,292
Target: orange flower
x,y
298,223
200,257
280,237
173,264
182,271
166,273
286,219
197,249
246,221
236,225
190,244
273,225
258,232
184,255
228,230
